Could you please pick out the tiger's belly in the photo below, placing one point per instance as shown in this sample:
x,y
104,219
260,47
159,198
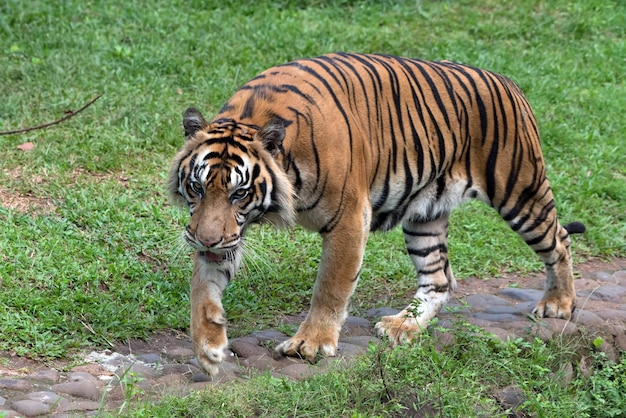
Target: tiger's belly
x,y
423,205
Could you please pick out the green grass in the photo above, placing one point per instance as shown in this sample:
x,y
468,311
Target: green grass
x,y
106,262
427,380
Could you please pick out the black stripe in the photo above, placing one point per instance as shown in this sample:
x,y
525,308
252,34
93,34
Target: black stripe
x,y
420,234
424,252
425,272
435,288
330,90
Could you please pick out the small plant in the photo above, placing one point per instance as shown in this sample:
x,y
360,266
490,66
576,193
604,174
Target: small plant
x,y
129,384
605,390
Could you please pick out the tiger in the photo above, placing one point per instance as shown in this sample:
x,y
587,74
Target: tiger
x,y
345,144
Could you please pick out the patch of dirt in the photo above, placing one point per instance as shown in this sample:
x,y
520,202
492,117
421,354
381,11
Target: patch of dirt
x,y
121,178
159,342
29,202
12,365
26,203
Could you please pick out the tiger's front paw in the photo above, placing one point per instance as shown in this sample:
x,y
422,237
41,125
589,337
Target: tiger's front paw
x,y
307,344
398,328
554,305
208,332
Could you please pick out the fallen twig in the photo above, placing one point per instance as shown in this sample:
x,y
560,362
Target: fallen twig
x,y
56,122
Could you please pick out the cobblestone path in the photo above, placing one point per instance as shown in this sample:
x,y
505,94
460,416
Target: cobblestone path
x,y
166,365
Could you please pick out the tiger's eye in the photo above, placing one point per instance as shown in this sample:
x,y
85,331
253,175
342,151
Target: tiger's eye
x,y
239,194
196,186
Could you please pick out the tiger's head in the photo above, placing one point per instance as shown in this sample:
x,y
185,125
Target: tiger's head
x,y
228,176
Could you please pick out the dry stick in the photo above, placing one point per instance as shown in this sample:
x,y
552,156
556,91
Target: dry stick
x,y
56,122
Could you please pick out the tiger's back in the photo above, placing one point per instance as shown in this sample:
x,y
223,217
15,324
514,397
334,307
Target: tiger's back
x,y
397,125
355,143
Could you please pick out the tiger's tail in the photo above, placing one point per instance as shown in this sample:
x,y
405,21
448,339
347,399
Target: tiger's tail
x,y
575,228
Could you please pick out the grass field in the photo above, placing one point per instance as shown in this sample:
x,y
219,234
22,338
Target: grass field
x,y
90,250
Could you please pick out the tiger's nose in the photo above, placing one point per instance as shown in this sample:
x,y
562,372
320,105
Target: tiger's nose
x,y
209,242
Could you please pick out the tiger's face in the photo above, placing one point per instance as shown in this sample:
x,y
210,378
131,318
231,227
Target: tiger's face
x,y
227,177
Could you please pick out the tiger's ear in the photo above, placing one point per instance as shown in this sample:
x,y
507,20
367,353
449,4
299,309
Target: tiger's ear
x,y
193,121
272,135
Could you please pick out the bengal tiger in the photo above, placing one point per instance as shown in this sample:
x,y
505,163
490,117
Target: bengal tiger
x,y
344,144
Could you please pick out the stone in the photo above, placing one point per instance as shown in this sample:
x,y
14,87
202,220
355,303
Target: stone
x,y
620,341
115,394
170,380
603,276
502,334
270,335
78,406
225,367
171,384
608,293
498,318
108,360
560,326
245,349
179,353
362,340
299,371
524,295
201,377
31,408
79,389
354,326
378,312
15,384
355,321
511,397
349,351
82,377
620,277
247,339
453,307
521,308
222,377
483,301
585,367
284,361
587,318
134,371
45,376
608,349
583,286
612,314
150,358
443,338
541,331
93,369
260,362
178,368
508,310
46,397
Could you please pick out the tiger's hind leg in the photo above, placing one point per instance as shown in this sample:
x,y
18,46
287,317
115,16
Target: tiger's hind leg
x,y
540,229
427,244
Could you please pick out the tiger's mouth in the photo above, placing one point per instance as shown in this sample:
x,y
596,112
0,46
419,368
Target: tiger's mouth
x,y
212,257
